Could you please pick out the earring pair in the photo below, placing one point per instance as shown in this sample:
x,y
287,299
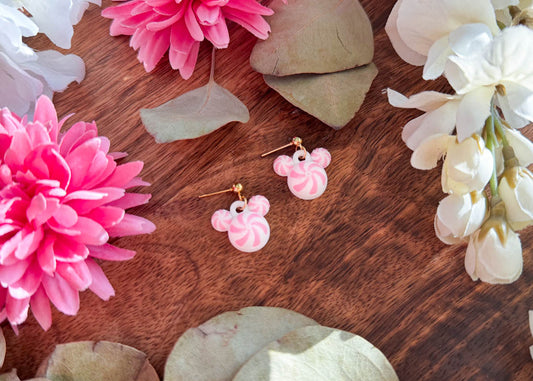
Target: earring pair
x,y
245,222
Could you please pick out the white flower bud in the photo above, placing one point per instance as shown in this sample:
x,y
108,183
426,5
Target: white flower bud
x,y
516,191
458,216
467,167
494,253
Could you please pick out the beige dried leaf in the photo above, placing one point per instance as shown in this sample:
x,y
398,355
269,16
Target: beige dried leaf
x,y
318,353
11,376
194,114
2,348
333,98
310,36
97,361
217,349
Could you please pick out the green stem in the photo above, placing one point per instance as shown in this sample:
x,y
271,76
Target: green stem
x,y
491,145
499,128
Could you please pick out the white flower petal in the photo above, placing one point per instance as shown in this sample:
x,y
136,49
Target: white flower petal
x,y
444,234
522,146
473,111
425,101
501,4
421,23
436,122
510,116
13,26
405,53
57,69
470,39
437,56
520,99
462,215
19,89
430,151
53,19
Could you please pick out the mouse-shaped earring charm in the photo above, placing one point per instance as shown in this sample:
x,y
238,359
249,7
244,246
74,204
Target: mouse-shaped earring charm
x,y
247,228
305,172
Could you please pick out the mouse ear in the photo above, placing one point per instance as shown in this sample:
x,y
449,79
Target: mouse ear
x,y
321,156
259,204
283,165
221,220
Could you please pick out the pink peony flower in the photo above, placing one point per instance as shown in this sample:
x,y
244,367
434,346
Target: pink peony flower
x,y
61,197
180,25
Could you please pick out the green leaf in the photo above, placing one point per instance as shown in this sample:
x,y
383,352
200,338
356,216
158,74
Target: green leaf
x,y
215,350
310,36
97,361
333,98
194,114
318,353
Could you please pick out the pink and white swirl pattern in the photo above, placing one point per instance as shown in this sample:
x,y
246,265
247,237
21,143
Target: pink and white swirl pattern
x,y
259,204
321,156
221,220
248,230
307,180
283,165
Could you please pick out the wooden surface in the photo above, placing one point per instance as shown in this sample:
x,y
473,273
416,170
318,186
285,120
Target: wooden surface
x,y
363,257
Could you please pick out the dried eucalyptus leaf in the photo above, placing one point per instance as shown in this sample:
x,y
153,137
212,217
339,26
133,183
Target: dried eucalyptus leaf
x,y
318,353
97,361
2,348
11,376
216,350
333,98
310,36
194,114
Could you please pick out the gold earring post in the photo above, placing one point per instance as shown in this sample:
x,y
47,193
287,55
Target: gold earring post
x,y
296,141
236,188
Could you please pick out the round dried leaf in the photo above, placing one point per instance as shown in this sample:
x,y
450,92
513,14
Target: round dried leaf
x,y
96,361
216,350
318,354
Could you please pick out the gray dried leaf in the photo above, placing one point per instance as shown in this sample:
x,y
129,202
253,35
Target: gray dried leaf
x,y
318,353
310,36
194,114
217,349
97,361
333,98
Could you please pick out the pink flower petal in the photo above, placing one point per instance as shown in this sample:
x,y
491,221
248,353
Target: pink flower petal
x,y
255,24
100,284
68,250
111,253
91,232
107,216
83,206
40,307
131,225
249,6
124,173
29,243
131,200
46,256
45,113
218,33
192,24
79,161
26,286
17,310
11,274
66,216
77,274
61,294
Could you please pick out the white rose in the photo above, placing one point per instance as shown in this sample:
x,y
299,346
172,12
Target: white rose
x,y
458,216
494,253
468,166
516,191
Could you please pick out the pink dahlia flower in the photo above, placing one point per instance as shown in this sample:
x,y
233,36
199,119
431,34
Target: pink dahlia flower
x,y
61,197
180,25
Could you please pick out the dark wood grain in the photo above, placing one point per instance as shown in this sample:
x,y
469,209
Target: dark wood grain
x,y
363,257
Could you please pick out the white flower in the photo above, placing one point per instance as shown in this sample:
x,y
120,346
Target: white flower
x,y
25,74
516,191
419,29
531,329
467,165
56,17
458,216
522,147
502,65
444,113
494,253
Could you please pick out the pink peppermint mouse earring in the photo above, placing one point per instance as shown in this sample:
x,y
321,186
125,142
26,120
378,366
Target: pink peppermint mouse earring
x,y
247,228
305,172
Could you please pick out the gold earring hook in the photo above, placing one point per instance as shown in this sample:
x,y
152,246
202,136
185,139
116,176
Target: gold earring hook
x,y
296,142
235,188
